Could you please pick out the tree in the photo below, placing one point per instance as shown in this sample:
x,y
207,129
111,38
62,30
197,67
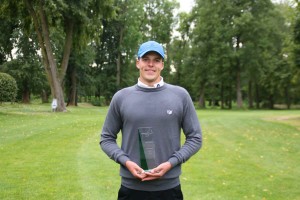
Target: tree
x,y
297,34
287,72
79,79
180,47
21,58
135,22
296,78
158,24
211,46
72,19
115,53
8,23
25,66
236,40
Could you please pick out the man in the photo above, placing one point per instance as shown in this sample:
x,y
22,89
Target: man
x,y
150,116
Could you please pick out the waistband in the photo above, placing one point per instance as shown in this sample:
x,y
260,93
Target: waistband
x,y
154,185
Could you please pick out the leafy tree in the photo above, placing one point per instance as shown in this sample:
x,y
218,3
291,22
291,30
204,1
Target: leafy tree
x,y
210,48
29,77
115,53
158,24
78,78
8,23
135,22
180,47
297,34
287,72
236,41
25,67
61,22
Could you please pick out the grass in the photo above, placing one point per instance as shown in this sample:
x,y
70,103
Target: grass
x,y
245,155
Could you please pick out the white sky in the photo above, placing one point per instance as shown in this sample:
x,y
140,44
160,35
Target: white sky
x,y
186,5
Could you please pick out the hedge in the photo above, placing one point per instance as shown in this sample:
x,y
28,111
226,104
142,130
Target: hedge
x,y
8,88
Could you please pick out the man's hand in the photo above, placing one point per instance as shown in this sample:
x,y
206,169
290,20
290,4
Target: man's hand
x,y
157,172
135,170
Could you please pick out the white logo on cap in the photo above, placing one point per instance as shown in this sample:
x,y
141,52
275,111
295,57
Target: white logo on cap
x,y
169,112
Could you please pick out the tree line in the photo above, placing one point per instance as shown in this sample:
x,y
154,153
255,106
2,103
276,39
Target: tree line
x,y
223,52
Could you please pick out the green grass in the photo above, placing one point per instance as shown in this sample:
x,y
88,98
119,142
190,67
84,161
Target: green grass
x,y
245,155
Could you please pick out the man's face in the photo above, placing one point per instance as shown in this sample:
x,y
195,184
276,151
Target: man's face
x,y
150,66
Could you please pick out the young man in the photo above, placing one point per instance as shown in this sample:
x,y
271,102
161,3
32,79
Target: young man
x,y
150,116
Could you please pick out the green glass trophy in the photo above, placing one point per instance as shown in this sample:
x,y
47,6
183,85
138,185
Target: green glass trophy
x,y
146,148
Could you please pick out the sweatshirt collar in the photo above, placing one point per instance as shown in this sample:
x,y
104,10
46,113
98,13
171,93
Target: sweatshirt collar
x,y
156,85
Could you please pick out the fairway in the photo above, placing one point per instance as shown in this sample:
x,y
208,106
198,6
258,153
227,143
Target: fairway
x,y
245,155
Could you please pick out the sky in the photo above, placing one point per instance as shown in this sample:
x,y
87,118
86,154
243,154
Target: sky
x,y
186,5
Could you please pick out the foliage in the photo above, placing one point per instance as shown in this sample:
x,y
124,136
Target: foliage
x,y
29,77
79,80
224,52
25,66
135,22
297,34
59,25
237,50
98,101
8,88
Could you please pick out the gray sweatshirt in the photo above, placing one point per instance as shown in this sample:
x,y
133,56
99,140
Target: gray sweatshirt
x,y
164,111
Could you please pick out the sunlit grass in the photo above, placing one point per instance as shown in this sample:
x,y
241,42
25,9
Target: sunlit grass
x,y
245,155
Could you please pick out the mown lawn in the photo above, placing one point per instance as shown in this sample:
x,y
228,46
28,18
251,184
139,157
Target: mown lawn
x,y
245,155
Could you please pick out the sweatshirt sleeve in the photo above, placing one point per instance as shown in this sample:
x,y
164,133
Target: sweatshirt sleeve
x,y
193,134
110,130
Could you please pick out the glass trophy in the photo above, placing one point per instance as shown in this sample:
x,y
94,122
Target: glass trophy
x,y
146,148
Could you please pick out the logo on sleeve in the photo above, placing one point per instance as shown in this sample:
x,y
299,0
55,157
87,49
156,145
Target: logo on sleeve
x,y
169,112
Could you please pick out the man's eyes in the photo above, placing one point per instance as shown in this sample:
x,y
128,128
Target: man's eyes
x,y
147,59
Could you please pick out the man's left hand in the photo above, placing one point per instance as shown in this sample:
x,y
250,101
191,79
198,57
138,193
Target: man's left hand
x,y
157,172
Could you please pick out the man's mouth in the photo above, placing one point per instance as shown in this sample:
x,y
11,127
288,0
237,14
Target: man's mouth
x,y
150,70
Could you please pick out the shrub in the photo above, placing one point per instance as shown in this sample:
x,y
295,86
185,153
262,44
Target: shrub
x,y
8,88
98,101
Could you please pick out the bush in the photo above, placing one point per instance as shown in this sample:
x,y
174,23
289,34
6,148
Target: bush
x,y
98,101
8,88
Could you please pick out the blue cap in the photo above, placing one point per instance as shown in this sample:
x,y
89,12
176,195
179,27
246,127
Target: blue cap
x,y
151,46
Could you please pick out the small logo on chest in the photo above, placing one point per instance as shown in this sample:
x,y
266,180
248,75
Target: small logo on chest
x,y
169,112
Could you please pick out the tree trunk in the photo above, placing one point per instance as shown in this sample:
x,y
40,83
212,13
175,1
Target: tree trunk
x,y
55,78
57,92
201,102
287,98
73,89
25,93
119,60
271,101
222,95
230,97
118,79
239,99
250,96
44,96
257,96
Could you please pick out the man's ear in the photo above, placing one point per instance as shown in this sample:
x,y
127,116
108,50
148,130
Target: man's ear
x,y
163,65
137,62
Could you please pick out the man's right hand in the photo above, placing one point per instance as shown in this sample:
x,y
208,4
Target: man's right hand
x,y
135,170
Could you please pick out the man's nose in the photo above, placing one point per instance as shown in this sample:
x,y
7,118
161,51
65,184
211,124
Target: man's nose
x,y
151,63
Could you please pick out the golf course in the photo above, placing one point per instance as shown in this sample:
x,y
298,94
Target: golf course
x,y
246,154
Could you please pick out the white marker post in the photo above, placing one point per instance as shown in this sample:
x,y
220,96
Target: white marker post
x,y
54,105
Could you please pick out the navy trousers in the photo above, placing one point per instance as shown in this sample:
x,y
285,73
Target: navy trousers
x,y
130,194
